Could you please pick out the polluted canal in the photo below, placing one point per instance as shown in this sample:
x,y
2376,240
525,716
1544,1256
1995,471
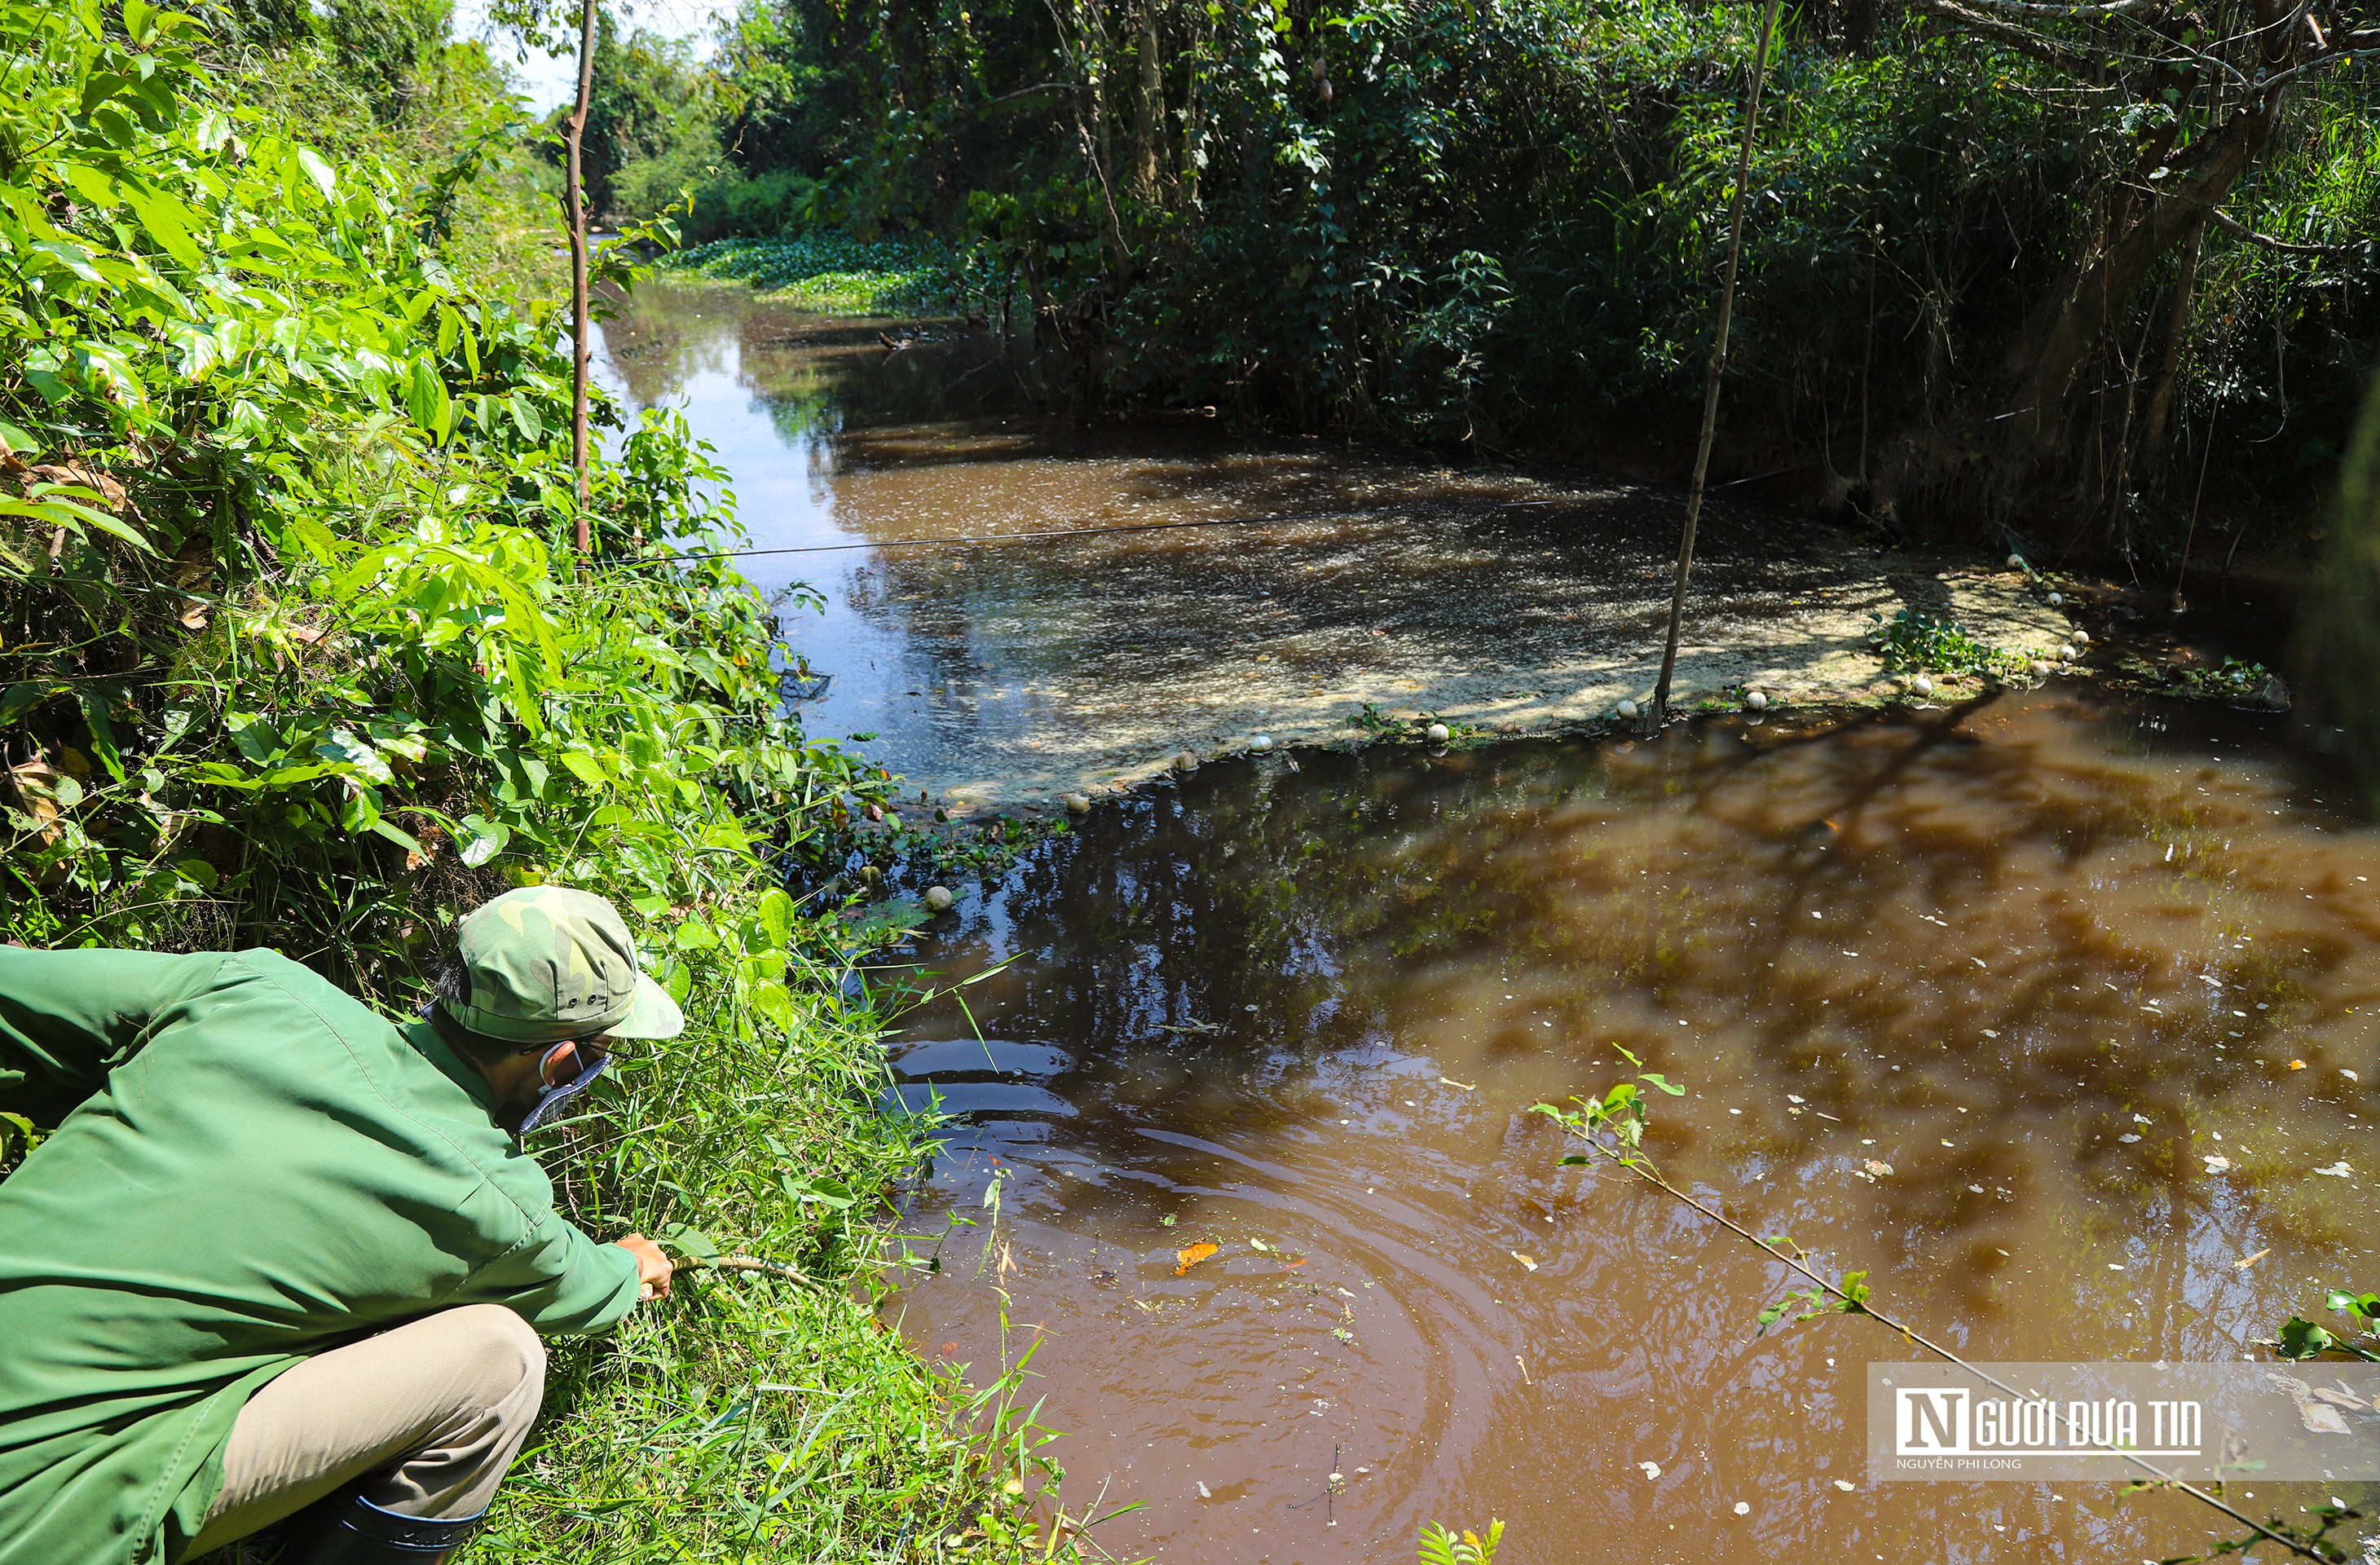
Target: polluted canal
x,y
2048,1011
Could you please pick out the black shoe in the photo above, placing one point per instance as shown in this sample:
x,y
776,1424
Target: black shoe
x,y
359,1532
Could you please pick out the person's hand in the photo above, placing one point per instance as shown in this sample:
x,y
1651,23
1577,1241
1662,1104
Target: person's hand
x,y
653,1267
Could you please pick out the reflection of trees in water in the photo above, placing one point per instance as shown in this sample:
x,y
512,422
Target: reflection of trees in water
x,y
1621,889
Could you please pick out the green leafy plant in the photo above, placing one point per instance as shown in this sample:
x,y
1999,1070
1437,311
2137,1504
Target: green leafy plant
x,y
2301,1339
1439,1546
293,651
1911,641
1614,1123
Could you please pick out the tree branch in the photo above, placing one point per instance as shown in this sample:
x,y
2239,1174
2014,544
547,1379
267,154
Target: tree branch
x,y
2022,40
2233,225
2031,9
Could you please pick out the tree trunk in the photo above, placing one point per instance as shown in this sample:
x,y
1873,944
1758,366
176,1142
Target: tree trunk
x,y
575,200
2067,328
1149,108
2176,334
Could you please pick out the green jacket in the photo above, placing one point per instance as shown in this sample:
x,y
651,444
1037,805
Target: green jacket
x,y
252,1167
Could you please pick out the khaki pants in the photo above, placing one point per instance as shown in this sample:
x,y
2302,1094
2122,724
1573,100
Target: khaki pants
x,y
429,1415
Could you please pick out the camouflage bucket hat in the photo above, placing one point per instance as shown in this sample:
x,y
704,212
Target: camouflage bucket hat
x,y
548,962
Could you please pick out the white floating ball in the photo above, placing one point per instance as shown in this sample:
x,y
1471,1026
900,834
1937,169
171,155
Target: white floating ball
x,y
1261,742
2080,638
2016,562
2055,598
1755,701
1438,734
939,898
1627,710
1078,803
2038,669
1922,685
2067,654
1186,761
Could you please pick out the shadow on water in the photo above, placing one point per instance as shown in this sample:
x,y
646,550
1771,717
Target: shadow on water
x,y
1963,999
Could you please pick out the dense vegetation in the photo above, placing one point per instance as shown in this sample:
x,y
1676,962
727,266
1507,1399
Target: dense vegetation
x,y
2030,266
294,652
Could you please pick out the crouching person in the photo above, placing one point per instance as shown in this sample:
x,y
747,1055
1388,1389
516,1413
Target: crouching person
x,y
283,1266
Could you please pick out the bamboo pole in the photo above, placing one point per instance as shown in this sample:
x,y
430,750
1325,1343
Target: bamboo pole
x,y
574,203
1659,711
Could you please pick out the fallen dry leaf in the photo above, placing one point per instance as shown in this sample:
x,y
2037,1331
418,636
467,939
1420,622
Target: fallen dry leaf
x,y
1523,1259
1877,1170
1194,1254
2297,1064
194,617
2244,1262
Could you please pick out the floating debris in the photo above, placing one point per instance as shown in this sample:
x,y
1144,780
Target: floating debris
x,y
1626,711
1438,734
1260,742
1755,701
939,898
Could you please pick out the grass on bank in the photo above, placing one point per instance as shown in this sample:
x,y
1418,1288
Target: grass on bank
x,y
295,652
832,273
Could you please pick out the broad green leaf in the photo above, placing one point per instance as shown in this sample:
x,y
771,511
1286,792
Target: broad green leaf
x,y
403,839
102,731
689,1241
775,1006
165,221
485,840
324,177
776,914
586,768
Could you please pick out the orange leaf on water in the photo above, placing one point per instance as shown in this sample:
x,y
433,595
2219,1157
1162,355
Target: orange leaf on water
x,y
1194,1254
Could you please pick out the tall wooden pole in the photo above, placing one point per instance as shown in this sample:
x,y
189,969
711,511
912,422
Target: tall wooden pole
x,y
1659,711
574,198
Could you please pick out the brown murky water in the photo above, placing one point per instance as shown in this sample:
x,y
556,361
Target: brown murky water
x,y
2040,957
